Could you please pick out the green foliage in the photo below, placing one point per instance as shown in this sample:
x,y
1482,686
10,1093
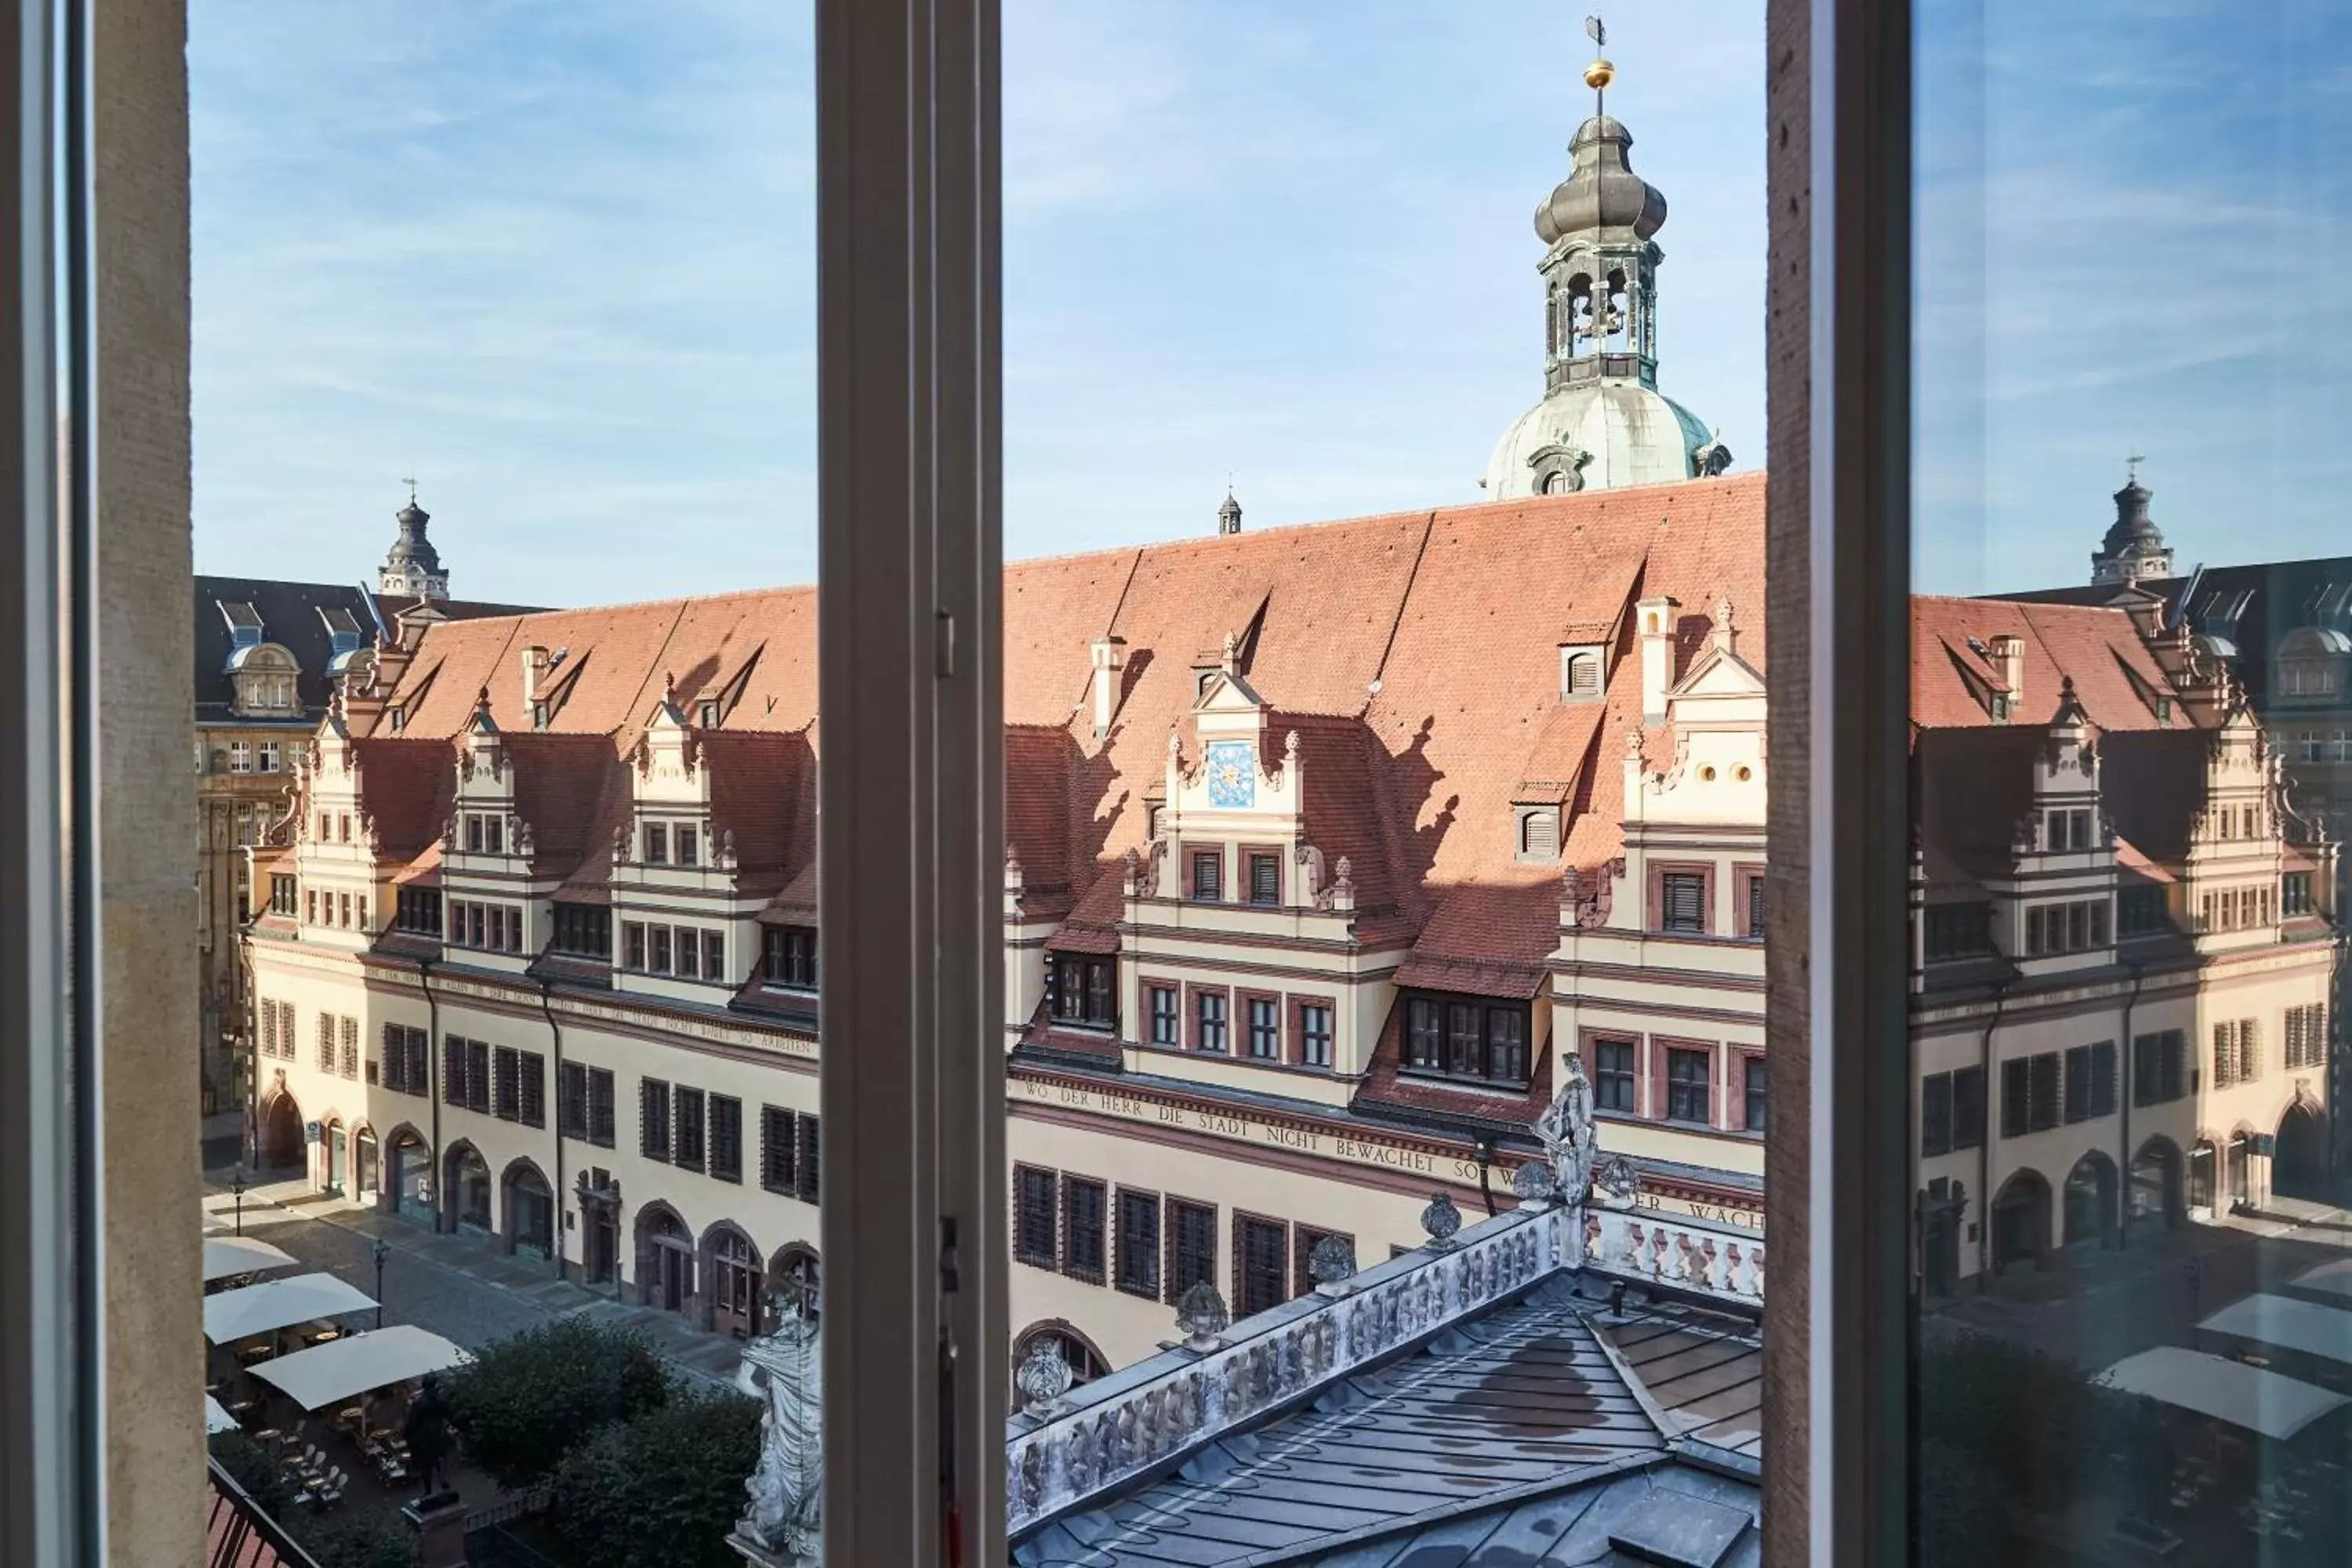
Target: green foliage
x,y
2009,1435
248,1464
377,1539
524,1401
663,1490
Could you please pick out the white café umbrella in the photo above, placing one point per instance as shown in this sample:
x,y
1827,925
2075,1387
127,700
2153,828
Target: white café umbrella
x,y
226,1255
2266,1401
359,1364
279,1304
215,1418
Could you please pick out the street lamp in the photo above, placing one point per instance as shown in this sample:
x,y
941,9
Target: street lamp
x,y
382,1252
237,1185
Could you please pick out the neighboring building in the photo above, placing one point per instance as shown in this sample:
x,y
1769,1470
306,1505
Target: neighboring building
x,y
2123,954
268,653
2279,634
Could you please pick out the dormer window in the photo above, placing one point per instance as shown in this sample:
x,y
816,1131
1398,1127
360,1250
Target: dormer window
x,y
689,848
1581,673
706,713
1538,833
1200,678
398,717
2065,832
1462,1037
1085,991
656,844
789,958
1999,708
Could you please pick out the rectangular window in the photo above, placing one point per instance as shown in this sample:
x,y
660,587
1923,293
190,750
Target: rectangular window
x,y
268,756
658,949
777,1147
1138,1243
240,756
1754,1085
1967,1107
687,1147
2295,893
1424,1035
326,1037
2016,1096
493,835
1313,1035
1265,1029
1266,879
689,953
1210,1019
1687,1074
2043,1093
689,848
1192,1248
1037,1240
2103,1079
478,1075
714,955
1082,990
1936,1114
1614,1087
1682,901
504,1084
656,844
2078,1084
572,1101
2307,1036
344,906
1957,931
583,931
1208,876
1507,1044
600,1107
2139,909
788,957
1756,909
473,833
653,1118
1164,1006
726,1138
1084,1203
808,1162
1261,1265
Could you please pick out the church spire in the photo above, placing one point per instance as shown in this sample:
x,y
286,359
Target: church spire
x,y
2133,550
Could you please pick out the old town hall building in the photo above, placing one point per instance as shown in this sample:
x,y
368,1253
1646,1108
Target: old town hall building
x,y
1326,847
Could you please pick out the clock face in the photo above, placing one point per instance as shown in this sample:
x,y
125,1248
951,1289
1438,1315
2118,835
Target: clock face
x,y
1232,773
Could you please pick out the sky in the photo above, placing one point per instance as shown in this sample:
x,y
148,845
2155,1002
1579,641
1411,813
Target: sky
x,y
555,259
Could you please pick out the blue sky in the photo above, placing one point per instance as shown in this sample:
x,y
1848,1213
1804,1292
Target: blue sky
x,y
556,259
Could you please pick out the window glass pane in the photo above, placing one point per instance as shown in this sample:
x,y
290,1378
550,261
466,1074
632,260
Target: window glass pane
x,y
519,741
2130,669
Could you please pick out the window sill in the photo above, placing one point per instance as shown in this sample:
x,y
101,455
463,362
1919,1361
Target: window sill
x,y
1457,1080
1047,1264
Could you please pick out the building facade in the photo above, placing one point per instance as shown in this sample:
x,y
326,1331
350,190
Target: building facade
x,y
269,654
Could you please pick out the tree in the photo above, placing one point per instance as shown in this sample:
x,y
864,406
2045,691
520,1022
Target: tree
x,y
663,1490
525,1400
248,1464
381,1539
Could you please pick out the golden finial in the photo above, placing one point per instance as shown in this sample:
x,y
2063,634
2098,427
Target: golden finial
x,y
1599,73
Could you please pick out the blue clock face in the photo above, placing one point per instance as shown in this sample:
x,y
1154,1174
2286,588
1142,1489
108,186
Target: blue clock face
x,y
1232,773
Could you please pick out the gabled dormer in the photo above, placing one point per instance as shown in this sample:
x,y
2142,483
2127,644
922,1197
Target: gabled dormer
x,y
2060,897
1234,822
1693,829
2230,882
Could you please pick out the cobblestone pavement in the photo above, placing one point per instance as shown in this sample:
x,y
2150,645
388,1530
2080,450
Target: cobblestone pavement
x,y
459,1287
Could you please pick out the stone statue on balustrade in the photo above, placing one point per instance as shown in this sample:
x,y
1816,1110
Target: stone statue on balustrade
x,y
783,1526
1565,1130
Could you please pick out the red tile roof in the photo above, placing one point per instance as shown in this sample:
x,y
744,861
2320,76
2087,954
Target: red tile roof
x,y
2114,675
1415,653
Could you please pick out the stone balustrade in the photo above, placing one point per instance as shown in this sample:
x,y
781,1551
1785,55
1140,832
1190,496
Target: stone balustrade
x,y
1155,1413
1676,1252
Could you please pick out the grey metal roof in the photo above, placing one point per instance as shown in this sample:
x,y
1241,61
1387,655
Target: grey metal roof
x,y
1546,1431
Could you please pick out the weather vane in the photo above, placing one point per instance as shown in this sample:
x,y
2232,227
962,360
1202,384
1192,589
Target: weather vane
x,y
1599,73
2131,464
411,483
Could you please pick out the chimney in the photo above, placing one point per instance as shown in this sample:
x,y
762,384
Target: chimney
x,y
1108,654
1657,633
535,666
2009,660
